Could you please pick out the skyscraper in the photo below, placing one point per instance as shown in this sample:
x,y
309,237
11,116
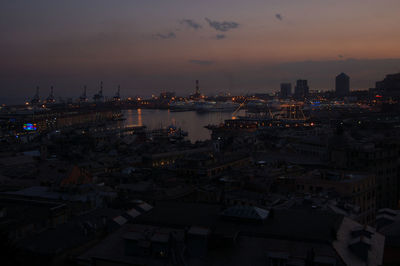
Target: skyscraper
x,y
390,86
301,89
286,90
342,85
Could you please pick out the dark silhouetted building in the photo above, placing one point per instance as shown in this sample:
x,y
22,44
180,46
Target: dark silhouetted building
x,y
342,85
286,90
380,159
301,90
390,86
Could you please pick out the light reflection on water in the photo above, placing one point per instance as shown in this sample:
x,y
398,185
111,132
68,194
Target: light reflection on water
x,y
190,121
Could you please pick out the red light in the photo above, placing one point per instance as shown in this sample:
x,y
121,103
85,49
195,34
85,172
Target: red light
x,y
378,96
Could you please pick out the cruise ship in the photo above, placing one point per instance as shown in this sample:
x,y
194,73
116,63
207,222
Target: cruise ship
x,y
210,106
182,106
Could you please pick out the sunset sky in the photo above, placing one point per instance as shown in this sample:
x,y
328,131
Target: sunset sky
x,y
148,46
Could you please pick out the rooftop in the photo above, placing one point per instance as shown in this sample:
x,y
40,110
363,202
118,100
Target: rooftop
x,y
286,224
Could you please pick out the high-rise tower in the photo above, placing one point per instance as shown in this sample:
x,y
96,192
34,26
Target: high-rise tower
x,y
301,90
286,90
342,85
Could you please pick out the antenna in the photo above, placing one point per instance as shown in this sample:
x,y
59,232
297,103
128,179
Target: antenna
x,y
36,98
83,97
50,98
197,88
117,96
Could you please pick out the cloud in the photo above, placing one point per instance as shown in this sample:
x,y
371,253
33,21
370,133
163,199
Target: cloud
x,y
220,36
279,16
201,62
170,35
223,25
190,23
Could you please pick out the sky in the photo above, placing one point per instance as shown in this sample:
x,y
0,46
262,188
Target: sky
x,y
149,46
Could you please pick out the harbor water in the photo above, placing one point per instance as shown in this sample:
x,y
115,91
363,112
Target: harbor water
x,y
190,121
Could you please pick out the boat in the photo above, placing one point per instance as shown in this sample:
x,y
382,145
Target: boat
x,y
175,133
182,106
210,106
171,133
204,106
